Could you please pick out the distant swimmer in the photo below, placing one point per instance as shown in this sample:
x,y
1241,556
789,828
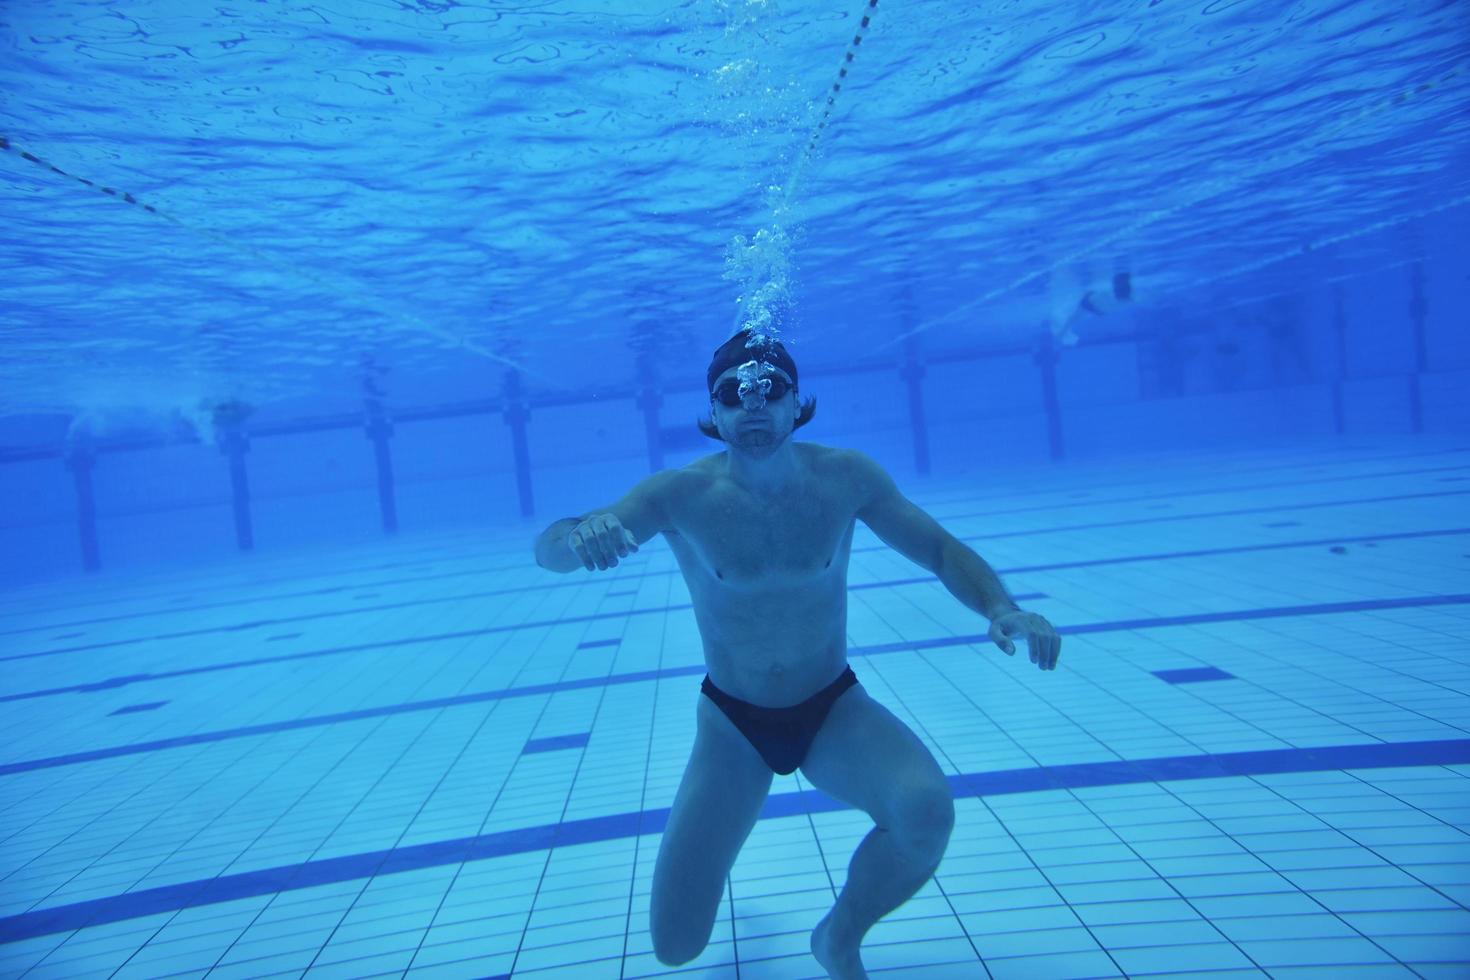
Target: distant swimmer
x,y
762,532
1097,300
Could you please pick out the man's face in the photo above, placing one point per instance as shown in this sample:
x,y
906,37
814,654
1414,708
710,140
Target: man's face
x,y
758,431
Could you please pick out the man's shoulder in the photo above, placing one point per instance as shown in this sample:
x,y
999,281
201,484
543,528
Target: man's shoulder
x,y
700,469
836,459
685,479
816,452
860,478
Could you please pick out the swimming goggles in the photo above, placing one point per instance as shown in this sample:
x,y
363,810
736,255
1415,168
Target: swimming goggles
x,y
728,391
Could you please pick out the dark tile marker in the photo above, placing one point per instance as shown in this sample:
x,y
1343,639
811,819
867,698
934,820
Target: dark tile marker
x,y
135,708
1191,675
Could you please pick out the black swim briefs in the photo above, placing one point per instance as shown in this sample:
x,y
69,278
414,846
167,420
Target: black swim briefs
x,y
782,736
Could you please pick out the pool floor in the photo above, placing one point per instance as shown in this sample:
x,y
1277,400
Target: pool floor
x,y
428,757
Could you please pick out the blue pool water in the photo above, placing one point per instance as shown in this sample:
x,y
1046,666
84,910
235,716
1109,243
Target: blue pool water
x,y
315,316
409,757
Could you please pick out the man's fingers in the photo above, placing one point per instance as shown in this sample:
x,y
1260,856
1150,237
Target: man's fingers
x,y
592,541
600,541
612,536
606,542
1043,645
579,545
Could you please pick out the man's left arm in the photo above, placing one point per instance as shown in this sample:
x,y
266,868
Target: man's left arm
x,y
907,529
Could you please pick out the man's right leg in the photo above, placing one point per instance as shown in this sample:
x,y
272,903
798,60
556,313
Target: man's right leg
x,y
718,801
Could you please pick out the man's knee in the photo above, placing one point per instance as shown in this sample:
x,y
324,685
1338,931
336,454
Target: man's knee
x,y
676,955
680,923
675,947
922,822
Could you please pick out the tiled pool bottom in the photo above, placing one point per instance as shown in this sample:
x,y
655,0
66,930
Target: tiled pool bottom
x,y
430,758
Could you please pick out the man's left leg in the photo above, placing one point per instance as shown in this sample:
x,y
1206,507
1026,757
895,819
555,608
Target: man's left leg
x,y
868,759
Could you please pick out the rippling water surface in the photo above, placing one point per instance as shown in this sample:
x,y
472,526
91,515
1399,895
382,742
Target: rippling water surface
x,y
445,188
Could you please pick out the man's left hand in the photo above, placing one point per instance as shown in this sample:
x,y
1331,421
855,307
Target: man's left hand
x,y
1043,640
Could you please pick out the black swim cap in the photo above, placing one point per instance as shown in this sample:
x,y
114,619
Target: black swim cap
x,y
733,353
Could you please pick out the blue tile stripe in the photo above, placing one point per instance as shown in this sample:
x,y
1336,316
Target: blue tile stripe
x,y
1088,563
356,647
895,582
1241,549
934,643
317,721
1233,616
362,647
257,623
177,603
269,881
1293,481
594,644
1189,516
1085,499
463,634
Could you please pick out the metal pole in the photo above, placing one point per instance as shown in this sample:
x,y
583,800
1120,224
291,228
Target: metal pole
x,y
912,373
234,444
649,400
80,459
1046,359
380,430
516,416
1339,330
1418,313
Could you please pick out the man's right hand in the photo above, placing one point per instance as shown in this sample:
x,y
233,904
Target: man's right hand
x,y
600,539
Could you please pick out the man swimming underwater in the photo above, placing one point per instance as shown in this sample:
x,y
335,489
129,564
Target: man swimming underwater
x,y
762,534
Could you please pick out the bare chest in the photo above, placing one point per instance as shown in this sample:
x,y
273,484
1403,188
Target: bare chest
x,y
740,539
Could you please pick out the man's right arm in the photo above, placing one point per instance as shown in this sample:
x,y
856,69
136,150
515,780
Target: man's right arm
x,y
597,539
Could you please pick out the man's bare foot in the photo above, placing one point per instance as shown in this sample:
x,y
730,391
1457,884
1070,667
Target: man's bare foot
x,y
841,962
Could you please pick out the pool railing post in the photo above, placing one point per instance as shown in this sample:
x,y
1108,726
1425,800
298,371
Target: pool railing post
x,y
912,373
1339,331
80,458
234,444
380,429
1046,360
1418,313
517,414
649,400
